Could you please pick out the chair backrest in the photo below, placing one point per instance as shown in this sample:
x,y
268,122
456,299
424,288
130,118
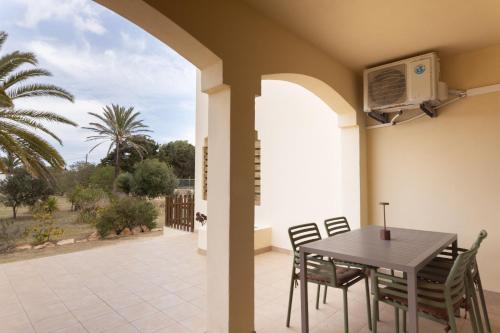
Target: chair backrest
x,y
464,263
303,234
336,225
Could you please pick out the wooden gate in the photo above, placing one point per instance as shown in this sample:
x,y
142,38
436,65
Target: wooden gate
x,y
179,212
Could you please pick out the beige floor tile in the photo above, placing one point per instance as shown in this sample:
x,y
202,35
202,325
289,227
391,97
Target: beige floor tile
x,y
137,311
55,323
91,311
78,328
102,323
127,328
152,323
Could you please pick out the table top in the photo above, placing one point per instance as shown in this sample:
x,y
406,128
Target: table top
x,y
408,250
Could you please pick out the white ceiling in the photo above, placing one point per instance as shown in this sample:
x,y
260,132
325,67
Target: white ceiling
x,y
361,33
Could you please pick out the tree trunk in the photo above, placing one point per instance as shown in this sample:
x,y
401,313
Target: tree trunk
x,y
117,160
117,165
14,212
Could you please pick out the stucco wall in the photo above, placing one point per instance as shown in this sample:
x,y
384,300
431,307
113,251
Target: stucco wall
x,y
443,174
300,161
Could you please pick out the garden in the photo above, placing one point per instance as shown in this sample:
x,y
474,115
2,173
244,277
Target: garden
x,y
84,203
44,203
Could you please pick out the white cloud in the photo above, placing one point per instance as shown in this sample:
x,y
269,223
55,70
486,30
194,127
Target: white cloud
x,y
74,145
80,13
133,43
140,74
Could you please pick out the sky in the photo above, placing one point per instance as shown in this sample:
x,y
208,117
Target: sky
x,y
101,58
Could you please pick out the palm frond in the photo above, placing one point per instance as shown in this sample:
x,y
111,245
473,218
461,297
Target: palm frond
x,y
38,89
5,101
11,61
3,38
24,75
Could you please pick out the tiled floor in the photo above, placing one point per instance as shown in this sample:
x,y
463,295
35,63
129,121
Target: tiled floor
x,y
158,285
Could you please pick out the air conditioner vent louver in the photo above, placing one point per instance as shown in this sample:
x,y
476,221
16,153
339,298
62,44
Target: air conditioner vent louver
x,y
387,86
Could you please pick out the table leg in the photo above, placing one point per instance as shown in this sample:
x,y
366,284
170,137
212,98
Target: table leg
x,y
303,293
412,302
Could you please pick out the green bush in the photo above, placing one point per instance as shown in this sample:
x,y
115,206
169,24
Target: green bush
x,y
125,182
127,212
103,177
48,205
87,201
153,178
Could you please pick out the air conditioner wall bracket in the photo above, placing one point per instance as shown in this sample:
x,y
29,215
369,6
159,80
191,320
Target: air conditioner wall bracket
x,y
382,118
428,109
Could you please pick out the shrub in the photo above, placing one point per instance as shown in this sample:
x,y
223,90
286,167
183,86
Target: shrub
x,y
126,212
125,182
88,201
8,234
48,205
45,229
153,178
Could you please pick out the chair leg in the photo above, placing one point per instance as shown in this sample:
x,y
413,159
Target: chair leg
x,y
290,298
483,304
404,321
451,318
367,289
346,313
324,294
396,319
475,309
317,296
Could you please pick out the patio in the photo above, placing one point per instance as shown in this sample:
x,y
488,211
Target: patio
x,y
158,285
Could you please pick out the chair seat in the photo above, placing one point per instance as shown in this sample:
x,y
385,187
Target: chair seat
x,y
344,276
434,311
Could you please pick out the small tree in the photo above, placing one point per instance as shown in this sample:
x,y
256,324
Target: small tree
x,y
103,178
180,155
45,229
125,182
153,178
88,201
21,189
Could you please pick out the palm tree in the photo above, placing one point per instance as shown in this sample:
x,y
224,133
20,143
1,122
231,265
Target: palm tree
x,y
17,139
121,128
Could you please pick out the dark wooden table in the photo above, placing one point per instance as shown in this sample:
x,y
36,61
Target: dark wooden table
x,y
407,251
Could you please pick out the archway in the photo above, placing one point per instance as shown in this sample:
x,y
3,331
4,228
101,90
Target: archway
x,y
350,152
208,34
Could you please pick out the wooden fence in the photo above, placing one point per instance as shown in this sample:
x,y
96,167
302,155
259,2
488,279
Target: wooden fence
x,y
179,212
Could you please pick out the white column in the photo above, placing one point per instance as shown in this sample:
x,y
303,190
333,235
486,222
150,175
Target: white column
x,y
230,209
350,170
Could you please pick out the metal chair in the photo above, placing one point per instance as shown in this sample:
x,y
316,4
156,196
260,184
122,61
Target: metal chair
x,y
322,271
336,225
437,300
438,268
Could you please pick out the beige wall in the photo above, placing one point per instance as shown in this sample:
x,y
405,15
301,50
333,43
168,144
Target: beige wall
x,y
443,174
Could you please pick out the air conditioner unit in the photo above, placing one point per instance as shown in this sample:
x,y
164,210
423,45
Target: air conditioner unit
x,y
402,85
